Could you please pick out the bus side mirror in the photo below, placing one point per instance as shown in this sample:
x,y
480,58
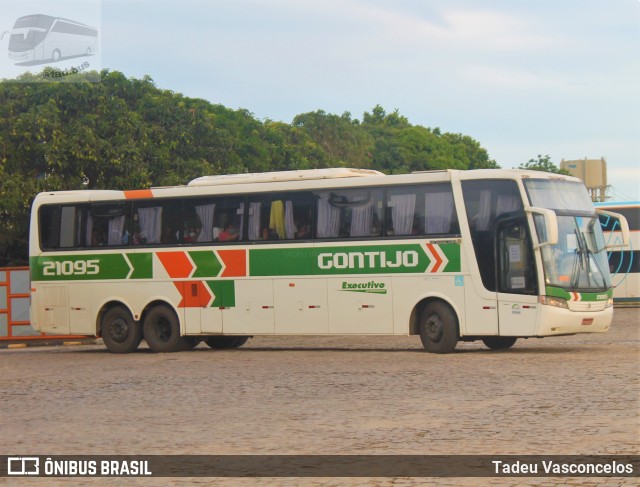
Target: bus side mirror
x,y
546,223
623,227
3,34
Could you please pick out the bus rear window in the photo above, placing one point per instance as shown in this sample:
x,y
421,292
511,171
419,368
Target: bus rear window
x,y
60,227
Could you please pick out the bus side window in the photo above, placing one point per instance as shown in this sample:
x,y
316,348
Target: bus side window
x,y
439,210
49,220
147,224
485,201
198,221
404,211
107,224
349,213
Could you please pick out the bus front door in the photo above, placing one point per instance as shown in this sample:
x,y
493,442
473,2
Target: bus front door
x,y
516,276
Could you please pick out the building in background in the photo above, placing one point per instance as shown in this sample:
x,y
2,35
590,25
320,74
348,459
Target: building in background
x,y
593,172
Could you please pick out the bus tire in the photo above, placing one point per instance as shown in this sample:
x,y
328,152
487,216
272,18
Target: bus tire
x,y
55,56
439,328
190,342
161,330
499,343
119,332
225,342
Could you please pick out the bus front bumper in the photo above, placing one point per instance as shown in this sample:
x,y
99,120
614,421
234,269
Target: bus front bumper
x,y
559,321
22,56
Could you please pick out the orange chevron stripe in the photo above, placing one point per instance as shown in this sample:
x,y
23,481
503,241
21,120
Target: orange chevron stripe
x,y
235,262
436,257
195,294
177,264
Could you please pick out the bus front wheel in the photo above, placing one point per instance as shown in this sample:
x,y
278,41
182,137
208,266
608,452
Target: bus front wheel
x,y
161,330
119,332
439,328
499,343
55,56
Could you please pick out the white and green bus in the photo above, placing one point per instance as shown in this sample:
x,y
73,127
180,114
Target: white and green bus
x,y
624,263
489,255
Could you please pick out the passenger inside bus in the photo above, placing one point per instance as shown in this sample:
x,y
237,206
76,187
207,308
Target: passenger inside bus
x,y
228,234
97,238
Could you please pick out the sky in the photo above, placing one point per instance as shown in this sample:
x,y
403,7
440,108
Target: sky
x,y
523,77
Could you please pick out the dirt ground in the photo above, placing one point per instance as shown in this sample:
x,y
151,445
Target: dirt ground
x,y
328,395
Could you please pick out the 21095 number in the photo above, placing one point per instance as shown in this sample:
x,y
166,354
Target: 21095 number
x,y
71,268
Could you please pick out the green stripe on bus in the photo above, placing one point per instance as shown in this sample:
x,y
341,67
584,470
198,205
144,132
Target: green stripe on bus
x,y
79,268
224,293
142,265
361,259
312,261
88,267
452,252
564,294
207,264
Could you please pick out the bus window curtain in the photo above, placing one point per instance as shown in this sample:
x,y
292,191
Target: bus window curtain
x,y
116,227
484,211
240,220
438,208
150,223
507,203
290,228
328,219
254,220
89,230
361,217
206,213
403,207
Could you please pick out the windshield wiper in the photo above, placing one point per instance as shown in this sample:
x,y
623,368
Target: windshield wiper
x,y
591,258
581,261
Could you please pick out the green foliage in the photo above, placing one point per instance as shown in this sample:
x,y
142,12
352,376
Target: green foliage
x,y
107,131
542,163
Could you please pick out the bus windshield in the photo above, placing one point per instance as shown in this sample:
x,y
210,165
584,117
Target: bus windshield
x,y
579,260
559,194
29,31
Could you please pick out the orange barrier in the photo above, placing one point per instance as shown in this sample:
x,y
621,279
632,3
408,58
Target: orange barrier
x,y
15,300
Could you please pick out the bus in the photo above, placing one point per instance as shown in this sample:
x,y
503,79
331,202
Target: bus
x,y
45,38
490,255
624,263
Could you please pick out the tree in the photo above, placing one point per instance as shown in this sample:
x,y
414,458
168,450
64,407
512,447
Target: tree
x,y
542,163
343,141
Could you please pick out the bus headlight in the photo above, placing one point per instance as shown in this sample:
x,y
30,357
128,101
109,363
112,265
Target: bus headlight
x,y
609,303
553,301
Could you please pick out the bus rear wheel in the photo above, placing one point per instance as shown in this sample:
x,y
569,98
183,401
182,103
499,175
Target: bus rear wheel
x,y
225,342
119,332
161,330
439,328
499,343
190,342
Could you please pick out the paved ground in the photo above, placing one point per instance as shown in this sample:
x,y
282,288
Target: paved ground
x,y
356,395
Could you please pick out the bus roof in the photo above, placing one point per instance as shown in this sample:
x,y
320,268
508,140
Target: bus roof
x,y
316,179
278,176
